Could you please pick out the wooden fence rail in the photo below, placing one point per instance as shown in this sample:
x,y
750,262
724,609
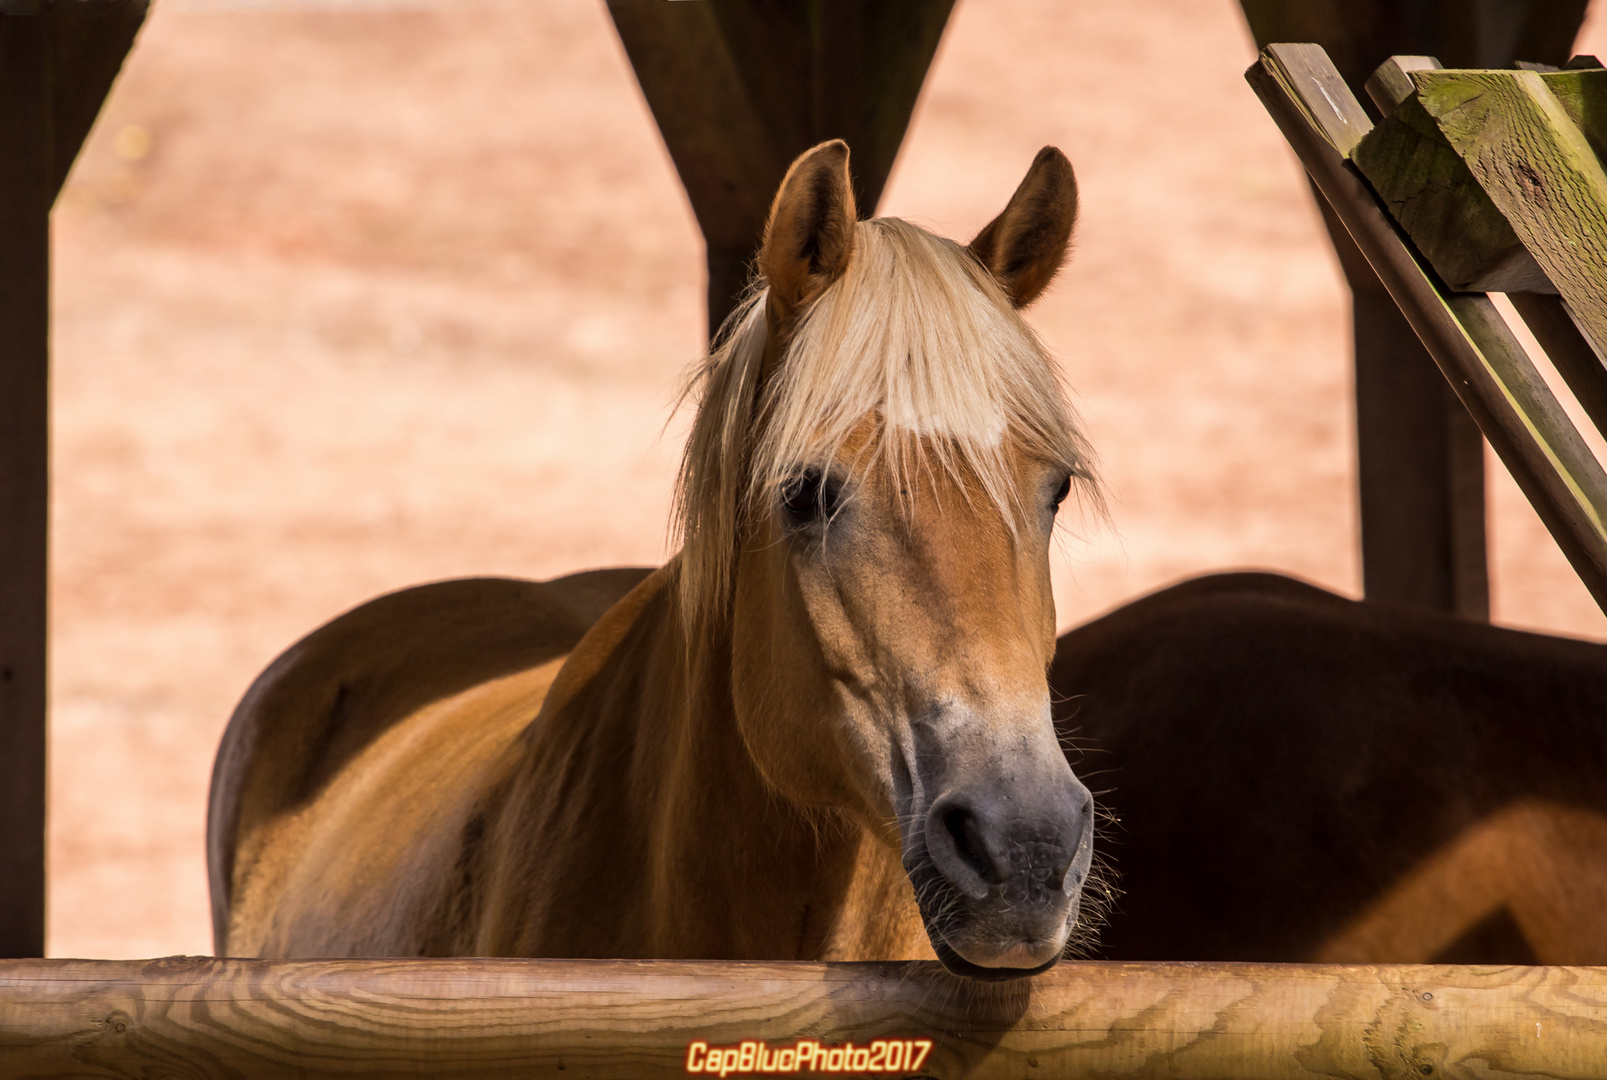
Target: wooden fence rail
x,y
505,1018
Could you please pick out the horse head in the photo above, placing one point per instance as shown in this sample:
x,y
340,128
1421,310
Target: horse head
x,y
867,500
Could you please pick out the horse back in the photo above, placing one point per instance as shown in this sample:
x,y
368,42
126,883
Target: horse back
x,y
1299,776
332,694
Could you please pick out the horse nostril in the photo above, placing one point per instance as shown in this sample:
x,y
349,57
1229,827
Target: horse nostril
x,y
964,829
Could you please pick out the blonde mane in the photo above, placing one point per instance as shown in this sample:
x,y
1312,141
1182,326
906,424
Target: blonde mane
x,y
917,333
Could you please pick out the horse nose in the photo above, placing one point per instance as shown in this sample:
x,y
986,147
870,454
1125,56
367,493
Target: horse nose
x,y
982,843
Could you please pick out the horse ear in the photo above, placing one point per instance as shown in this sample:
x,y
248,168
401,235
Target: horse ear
x,y
1024,246
810,236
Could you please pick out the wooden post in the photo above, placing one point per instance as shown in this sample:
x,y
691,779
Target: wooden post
x,y
740,90
26,192
57,62
1421,462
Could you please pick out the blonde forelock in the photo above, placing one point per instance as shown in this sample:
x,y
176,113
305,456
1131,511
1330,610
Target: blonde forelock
x,y
918,335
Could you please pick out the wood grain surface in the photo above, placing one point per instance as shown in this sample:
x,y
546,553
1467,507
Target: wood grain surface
x,y
1433,196
1555,328
449,1018
1473,346
1538,169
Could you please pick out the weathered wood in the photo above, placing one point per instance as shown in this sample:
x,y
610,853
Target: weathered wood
x,y
26,191
1320,95
740,90
1474,349
1433,196
1580,366
1455,223
1537,168
1419,463
1358,35
601,1019
1581,90
1404,536
1392,83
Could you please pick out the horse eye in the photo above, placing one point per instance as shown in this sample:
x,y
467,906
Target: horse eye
x,y
1061,492
809,497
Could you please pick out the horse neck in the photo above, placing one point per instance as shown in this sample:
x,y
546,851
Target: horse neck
x,y
665,839
724,840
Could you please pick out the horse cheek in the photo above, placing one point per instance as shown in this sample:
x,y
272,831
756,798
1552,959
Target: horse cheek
x,y
780,687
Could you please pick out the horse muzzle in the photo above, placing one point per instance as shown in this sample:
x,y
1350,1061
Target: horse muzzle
x,y
998,873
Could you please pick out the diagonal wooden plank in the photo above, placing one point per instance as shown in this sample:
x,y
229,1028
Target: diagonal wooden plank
x,y
1419,458
1420,461
1580,366
1465,335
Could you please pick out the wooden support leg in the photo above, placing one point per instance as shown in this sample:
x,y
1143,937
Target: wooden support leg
x,y
1420,458
27,188
1421,467
739,90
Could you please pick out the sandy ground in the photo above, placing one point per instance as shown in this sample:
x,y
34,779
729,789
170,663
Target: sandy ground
x,y
354,296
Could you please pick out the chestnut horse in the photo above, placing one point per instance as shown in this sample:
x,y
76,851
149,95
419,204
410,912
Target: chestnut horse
x,y
821,731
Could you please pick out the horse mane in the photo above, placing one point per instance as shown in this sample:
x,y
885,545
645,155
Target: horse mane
x,y
915,332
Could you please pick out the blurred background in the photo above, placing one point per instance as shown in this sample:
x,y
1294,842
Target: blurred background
x,y
355,294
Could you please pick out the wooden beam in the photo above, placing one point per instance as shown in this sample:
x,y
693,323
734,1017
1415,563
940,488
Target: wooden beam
x,y
639,1020
1537,168
1433,196
1421,467
57,61
1420,470
91,42
1495,177
740,90
1580,366
1473,347
27,188
1456,142
1358,35
1431,190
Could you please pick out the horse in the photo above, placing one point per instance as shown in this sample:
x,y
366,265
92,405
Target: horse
x,y
1301,777
822,730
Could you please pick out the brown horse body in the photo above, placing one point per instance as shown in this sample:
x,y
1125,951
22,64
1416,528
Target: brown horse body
x,y
823,730
1303,777
523,841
